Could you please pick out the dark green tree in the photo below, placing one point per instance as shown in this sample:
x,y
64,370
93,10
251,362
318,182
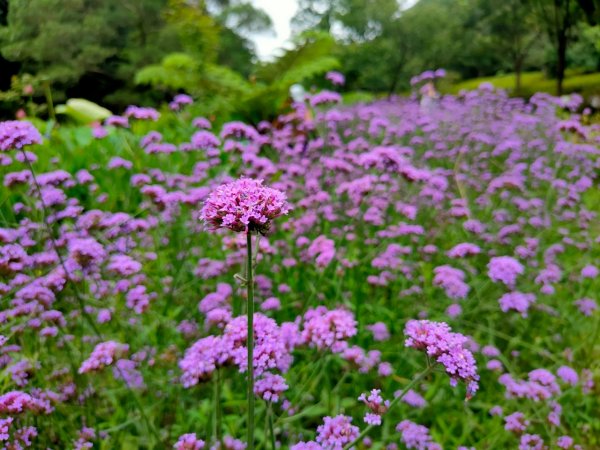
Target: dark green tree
x,y
559,18
513,30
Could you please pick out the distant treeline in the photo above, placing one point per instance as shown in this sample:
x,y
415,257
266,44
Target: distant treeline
x,y
119,52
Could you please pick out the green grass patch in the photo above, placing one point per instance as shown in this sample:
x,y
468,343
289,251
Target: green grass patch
x,y
532,82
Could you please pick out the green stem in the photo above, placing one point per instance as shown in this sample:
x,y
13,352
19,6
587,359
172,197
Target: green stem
x,y
218,412
250,341
409,386
271,429
49,101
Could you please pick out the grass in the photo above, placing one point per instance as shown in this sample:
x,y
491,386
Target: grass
x,y
532,82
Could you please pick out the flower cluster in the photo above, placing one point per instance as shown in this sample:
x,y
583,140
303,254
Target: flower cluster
x,y
16,134
244,205
376,404
447,348
104,354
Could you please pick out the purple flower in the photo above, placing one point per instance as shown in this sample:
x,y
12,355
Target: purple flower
x,y
496,411
517,301
16,134
325,97
179,100
413,399
380,331
568,375
447,348
505,269
541,385
189,441
119,162
87,251
463,250
126,370
311,445
142,113
201,122
376,404
587,306
336,432
244,205
531,442
589,271
99,132
117,121
516,422
452,281
201,360
415,436
325,328
565,442
270,387
204,140
336,78
104,354
322,250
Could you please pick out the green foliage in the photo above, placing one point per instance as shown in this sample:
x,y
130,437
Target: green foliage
x,y
382,44
223,91
176,71
94,49
308,59
60,40
197,30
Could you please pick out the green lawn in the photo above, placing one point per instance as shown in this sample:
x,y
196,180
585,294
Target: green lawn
x,y
531,82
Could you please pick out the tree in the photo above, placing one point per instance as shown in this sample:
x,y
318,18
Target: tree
x,y
372,40
513,30
60,40
559,18
591,9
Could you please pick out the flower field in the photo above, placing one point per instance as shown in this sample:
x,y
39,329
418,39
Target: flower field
x,y
424,277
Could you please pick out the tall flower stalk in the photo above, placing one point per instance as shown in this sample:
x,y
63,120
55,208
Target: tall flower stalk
x,y
250,339
245,205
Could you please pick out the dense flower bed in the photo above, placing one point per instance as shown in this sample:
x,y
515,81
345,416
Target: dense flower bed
x,y
430,279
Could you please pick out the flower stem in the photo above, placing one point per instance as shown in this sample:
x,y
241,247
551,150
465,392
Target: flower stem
x,y
271,429
218,412
409,386
250,341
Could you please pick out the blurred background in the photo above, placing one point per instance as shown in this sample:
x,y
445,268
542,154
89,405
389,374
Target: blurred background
x,y
240,58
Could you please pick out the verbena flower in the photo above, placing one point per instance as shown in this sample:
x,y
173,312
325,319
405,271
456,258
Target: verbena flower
x,y
445,347
16,134
505,269
244,205
415,436
189,441
104,354
376,404
336,432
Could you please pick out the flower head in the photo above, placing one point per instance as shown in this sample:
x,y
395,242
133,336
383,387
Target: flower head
x,y
16,134
244,205
336,432
448,349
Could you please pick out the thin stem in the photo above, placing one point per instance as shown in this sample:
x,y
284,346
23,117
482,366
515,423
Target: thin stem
x,y
48,229
409,386
218,412
49,101
271,429
250,341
